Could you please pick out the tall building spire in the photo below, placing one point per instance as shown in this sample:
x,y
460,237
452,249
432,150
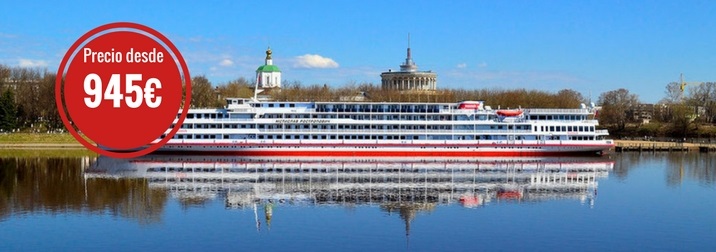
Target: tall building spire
x,y
409,65
410,58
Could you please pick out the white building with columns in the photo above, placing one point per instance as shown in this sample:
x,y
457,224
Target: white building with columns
x,y
409,78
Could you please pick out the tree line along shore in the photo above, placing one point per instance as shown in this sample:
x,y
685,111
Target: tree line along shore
x,y
27,103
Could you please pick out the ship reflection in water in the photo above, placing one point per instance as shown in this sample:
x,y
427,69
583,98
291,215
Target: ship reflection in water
x,y
396,185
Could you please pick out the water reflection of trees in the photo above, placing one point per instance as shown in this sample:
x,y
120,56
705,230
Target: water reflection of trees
x,y
679,166
700,167
57,185
624,162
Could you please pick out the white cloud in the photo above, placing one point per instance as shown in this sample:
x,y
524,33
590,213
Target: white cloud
x,y
482,64
462,65
7,36
226,62
32,63
314,61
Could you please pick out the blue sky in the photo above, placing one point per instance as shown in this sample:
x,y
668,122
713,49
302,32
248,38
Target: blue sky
x,y
588,46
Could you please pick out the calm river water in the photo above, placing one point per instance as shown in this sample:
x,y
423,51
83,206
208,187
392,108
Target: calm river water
x,y
622,202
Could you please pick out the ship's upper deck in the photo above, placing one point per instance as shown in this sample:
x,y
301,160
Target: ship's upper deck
x,y
465,107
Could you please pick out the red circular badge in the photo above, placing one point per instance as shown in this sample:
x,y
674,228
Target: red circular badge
x,y
121,86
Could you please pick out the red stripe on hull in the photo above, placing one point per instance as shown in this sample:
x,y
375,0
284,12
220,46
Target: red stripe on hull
x,y
383,153
330,145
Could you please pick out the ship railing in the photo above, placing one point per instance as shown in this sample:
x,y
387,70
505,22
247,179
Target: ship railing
x,y
511,119
556,111
602,131
375,131
207,120
241,110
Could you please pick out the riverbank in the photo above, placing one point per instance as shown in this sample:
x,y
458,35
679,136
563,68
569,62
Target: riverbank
x,y
41,145
65,141
9,139
639,145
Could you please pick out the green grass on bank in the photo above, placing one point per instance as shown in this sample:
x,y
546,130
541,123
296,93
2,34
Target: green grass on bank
x,y
45,153
37,138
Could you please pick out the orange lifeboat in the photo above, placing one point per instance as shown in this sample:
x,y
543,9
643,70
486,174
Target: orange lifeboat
x,y
509,112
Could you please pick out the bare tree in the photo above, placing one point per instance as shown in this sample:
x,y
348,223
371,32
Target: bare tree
x,y
567,98
673,92
703,96
238,88
202,94
616,107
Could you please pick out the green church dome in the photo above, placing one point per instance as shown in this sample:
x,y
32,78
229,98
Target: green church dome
x,y
268,68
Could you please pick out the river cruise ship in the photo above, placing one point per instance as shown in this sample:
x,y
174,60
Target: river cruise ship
x,y
258,128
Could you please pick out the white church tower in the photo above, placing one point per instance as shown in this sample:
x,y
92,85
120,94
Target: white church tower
x,y
268,75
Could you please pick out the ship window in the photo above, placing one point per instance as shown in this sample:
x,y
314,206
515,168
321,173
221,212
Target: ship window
x,y
282,105
270,105
551,128
190,116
